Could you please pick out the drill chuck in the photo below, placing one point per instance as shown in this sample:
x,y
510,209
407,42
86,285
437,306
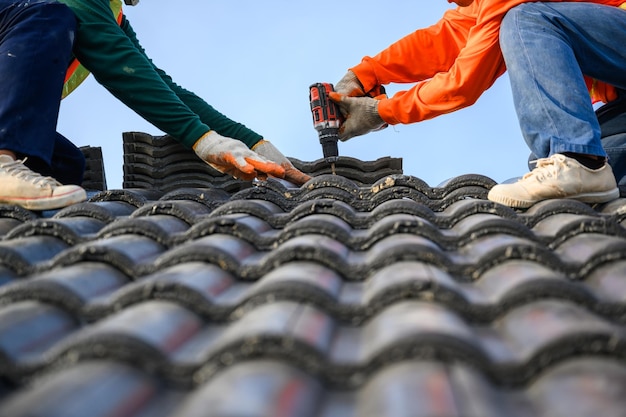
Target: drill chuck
x,y
328,140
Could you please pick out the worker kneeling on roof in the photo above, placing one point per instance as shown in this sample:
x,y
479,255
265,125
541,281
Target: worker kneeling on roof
x,y
39,168
556,53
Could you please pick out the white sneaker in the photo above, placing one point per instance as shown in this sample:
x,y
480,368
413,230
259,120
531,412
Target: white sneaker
x,y
23,187
558,177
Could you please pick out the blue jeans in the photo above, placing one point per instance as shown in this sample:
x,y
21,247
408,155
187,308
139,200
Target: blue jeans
x,y
36,39
612,119
547,48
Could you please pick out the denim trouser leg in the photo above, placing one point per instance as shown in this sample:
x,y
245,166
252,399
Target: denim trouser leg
x,y
612,119
547,48
615,147
36,40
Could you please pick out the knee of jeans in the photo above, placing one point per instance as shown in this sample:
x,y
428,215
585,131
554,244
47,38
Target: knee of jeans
x,y
515,21
509,30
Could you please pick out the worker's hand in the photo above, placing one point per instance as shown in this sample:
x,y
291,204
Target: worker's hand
x,y
233,157
350,85
271,153
361,115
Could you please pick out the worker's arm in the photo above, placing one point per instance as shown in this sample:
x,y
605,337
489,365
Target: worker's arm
x,y
109,54
112,54
208,115
453,63
114,58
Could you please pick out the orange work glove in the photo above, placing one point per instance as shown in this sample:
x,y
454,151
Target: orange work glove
x,y
271,153
233,157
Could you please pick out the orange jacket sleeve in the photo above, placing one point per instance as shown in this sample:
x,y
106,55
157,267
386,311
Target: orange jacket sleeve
x,y
453,63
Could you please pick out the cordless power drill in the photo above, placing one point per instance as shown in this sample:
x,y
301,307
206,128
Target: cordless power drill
x,y
327,119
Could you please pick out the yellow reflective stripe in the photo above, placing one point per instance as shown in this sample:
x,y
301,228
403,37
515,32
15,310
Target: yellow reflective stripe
x,y
592,91
76,73
116,8
79,74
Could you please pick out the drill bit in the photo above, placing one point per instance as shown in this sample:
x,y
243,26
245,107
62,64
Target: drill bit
x,y
331,161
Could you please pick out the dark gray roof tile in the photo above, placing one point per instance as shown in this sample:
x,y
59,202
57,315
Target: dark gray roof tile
x,y
28,330
6,225
609,285
136,197
587,251
97,389
262,209
164,229
363,172
26,255
7,275
226,251
249,228
270,389
74,288
131,254
149,333
484,253
516,282
94,176
202,288
188,211
72,230
596,386
547,208
431,389
105,211
363,294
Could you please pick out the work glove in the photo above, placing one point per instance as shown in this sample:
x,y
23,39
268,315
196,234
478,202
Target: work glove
x,y
270,152
361,115
233,157
350,85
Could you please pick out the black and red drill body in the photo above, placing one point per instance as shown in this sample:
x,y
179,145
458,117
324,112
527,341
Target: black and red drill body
x,y
327,119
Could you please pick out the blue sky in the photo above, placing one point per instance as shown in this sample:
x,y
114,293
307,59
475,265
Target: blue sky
x,y
254,61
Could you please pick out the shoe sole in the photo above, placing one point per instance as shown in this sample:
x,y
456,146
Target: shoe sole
x,y
48,203
591,198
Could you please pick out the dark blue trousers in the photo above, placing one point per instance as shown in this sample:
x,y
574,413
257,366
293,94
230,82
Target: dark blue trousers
x,y
36,39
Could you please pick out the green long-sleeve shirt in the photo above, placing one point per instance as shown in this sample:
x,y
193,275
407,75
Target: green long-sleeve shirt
x,y
112,53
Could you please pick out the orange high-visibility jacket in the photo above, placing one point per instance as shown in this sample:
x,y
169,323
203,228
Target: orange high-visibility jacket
x,y
453,62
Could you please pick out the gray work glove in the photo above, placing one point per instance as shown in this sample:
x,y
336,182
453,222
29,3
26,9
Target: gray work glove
x,y
361,115
271,153
350,85
233,157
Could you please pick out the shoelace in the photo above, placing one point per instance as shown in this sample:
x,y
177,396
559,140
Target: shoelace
x,y
546,167
19,170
